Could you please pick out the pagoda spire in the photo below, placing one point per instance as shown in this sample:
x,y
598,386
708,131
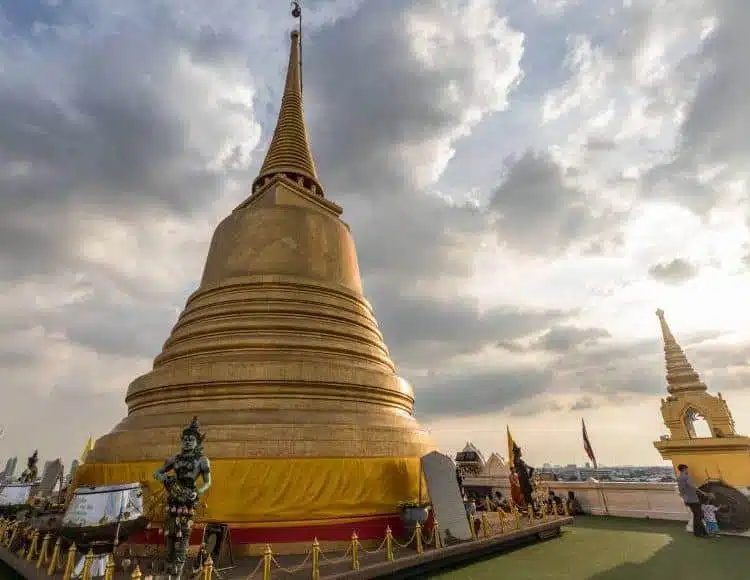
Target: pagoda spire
x,y
289,154
681,376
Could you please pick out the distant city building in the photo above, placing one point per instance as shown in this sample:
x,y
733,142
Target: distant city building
x,y
480,473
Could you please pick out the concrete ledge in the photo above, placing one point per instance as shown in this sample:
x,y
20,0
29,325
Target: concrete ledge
x,y
409,565
416,565
22,567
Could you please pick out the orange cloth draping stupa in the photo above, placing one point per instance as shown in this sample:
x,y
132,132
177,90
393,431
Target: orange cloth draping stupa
x,y
308,427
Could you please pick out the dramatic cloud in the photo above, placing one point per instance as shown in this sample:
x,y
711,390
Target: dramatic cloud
x,y
471,395
677,271
559,339
507,170
536,210
387,118
423,332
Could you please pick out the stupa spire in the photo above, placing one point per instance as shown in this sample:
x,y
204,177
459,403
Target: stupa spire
x,y
289,153
681,376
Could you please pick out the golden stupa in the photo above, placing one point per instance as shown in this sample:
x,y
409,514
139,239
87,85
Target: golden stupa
x,y
719,462
309,428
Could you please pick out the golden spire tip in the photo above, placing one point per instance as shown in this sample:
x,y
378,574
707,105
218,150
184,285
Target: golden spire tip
x,y
289,153
681,375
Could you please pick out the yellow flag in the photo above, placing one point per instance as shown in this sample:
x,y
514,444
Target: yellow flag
x,y
87,449
511,444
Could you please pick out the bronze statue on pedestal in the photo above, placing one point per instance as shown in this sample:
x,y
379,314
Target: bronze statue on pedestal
x,y
182,494
31,472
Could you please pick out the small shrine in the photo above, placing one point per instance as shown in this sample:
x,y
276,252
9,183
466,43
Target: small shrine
x,y
719,461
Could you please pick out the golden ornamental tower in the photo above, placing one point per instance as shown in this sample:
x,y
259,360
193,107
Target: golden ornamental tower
x,y
309,429
720,457
688,397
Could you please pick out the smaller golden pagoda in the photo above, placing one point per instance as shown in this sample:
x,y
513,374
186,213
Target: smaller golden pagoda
x,y
724,456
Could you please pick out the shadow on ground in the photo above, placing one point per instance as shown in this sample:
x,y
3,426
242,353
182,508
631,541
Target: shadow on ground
x,y
601,548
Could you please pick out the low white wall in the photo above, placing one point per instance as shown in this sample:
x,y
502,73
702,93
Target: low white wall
x,y
624,499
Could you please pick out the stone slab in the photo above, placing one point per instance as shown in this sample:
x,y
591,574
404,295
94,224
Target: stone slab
x,y
447,503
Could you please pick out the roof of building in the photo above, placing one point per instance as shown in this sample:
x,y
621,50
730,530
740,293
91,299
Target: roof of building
x,y
470,453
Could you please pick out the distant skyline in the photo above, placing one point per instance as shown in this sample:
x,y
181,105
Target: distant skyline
x,y
526,182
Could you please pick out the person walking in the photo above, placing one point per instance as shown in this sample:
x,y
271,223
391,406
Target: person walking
x,y
689,494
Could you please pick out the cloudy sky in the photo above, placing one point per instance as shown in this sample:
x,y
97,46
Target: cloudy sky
x,y
526,180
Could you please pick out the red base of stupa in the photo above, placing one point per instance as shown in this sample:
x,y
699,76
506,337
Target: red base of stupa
x,y
366,528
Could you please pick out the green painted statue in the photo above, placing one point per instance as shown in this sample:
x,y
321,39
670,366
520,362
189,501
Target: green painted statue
x,y
180,475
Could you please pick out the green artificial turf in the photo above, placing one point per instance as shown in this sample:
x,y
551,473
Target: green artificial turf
x,y
616,549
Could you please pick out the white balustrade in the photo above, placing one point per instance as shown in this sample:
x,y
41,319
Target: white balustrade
x,y
616,498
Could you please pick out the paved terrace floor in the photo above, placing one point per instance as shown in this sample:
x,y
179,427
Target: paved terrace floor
x,y
599,548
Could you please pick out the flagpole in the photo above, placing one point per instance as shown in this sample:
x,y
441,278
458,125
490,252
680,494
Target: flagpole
x,y
590,452
604,499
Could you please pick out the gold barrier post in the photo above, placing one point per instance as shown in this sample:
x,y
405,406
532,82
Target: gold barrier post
x,y
436,531
501,518
471,526
70,562
418,535
33,547
13,536
355,556
545,512
517,517
566,510
43,551
55,557
88,561
208,568
531,515
485,525
109,571
267,559
136,575
388,544
315,560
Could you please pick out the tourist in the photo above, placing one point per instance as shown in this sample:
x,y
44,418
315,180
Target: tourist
x,y
689,494
515,489
553,500
709,516
574,506
460,482
501,502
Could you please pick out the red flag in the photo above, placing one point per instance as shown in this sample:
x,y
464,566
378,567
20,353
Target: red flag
x,y
587,445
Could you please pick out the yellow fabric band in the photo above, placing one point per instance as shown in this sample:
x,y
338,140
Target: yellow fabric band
x,y
286,490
